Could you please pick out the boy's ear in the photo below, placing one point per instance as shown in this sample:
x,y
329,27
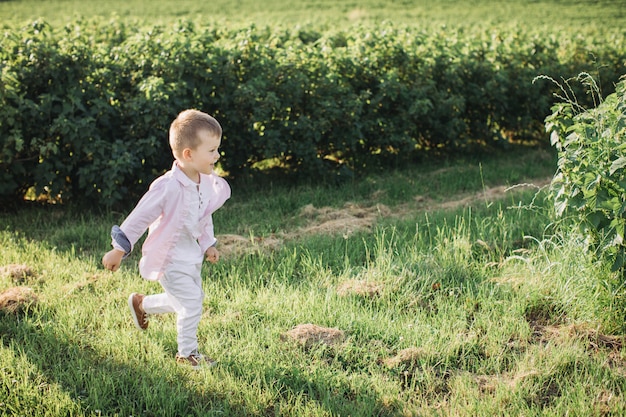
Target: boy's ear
x,y
186,153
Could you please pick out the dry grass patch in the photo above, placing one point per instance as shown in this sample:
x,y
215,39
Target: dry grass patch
x,y
310,335
350,219
353,218
360,288
16,299
18,273
407,358
597,340
346,221
562,334
617,363
606,402
488,384
236,245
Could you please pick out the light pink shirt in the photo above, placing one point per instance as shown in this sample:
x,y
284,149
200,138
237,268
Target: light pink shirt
x,y
169,209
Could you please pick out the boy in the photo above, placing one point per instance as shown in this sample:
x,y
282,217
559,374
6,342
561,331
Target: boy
x,y
177,210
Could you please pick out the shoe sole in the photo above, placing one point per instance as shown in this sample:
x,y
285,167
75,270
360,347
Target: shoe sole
x,y
201,365
132,311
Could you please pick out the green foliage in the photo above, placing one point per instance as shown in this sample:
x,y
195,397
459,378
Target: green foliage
x,y
85,108
590,184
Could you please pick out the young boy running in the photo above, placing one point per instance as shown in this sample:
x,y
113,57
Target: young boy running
x,y
177,210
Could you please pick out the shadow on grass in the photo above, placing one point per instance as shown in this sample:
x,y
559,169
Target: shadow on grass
x,y
320,390
60,366
66,376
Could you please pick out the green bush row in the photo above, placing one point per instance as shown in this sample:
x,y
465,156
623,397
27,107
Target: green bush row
x,y
84,110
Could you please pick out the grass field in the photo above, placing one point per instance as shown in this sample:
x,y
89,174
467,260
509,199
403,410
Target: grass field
x,y
581,15
445,289
436,292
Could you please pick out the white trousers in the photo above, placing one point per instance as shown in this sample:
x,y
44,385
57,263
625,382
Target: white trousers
x,y
183,295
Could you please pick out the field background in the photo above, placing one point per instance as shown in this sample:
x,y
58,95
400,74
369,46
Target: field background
x,y
577,15
449,286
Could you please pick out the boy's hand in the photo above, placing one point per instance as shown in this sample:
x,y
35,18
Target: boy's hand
x,y
112,259
212,255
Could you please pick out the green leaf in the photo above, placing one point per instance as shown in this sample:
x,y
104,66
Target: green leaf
x,y
617,164
619,261
597,219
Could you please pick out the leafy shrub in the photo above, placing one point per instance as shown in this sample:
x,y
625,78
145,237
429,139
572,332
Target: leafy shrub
x,y
590,184
85,109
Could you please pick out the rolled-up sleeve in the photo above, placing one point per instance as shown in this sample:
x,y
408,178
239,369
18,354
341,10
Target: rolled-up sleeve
x,y
147,211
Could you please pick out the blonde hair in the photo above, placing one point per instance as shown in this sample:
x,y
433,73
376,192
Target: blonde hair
x,y
184,129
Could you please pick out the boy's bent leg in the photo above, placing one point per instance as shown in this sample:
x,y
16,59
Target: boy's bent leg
x,y
141,306
183,286
158,304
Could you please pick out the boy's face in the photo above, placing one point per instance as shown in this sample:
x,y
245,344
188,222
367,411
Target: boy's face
x,y
205,156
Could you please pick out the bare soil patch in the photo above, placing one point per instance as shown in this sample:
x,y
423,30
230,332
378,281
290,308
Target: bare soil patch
x,y
16,299
594,340
310,335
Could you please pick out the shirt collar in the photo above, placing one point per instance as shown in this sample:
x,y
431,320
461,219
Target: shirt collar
x,y
181,176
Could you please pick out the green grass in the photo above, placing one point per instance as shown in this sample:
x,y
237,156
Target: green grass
x,y
482,309
552,13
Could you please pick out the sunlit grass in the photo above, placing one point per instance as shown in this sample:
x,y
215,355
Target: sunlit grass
x,y
586,15
480,309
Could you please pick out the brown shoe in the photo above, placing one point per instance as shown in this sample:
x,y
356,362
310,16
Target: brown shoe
x,y
136,310
196,360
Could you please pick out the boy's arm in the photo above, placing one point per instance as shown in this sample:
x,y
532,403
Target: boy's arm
x,y
207,238
148,209
124,237
220,192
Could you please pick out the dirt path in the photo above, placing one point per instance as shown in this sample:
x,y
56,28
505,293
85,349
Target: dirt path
x,y
354,218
